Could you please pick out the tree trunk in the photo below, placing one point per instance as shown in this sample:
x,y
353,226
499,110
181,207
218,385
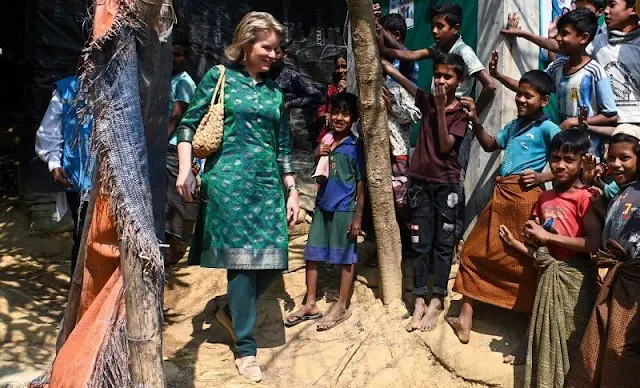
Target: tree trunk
x,y
373,116
142,293
144,322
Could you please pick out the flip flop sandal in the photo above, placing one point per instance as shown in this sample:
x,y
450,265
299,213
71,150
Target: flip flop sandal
x,y
346,316
289,322
225,322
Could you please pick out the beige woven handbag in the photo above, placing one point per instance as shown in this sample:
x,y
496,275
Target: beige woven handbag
x,y
208,137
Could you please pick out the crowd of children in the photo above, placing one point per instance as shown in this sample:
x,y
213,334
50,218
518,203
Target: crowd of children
x,y
531,250
567,256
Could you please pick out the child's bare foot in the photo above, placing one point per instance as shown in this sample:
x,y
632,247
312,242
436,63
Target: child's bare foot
x,y
461,328
430,318
418,312
305,313
518,356
336,316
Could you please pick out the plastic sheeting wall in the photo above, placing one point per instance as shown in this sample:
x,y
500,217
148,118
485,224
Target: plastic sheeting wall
x,y
56,32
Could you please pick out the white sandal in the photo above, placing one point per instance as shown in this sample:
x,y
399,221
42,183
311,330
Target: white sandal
x,y
249,367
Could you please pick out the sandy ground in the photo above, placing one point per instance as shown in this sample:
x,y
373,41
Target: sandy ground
x,y
371,349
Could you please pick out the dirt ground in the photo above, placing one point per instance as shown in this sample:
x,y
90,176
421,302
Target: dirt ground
x,y
371,349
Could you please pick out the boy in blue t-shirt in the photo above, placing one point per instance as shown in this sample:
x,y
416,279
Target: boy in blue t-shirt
x,y
489,271
578,79
337,218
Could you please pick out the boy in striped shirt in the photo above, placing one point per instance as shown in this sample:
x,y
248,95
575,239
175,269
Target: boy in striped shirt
x,y
578,79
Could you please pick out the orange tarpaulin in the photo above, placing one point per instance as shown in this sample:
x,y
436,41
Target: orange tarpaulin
x,y
100,304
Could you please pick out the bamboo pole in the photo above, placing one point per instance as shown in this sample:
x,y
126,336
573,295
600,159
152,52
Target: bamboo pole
x,y
142,292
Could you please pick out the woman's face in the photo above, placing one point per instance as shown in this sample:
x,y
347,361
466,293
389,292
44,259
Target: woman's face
x,y
263,53
622,162
341,68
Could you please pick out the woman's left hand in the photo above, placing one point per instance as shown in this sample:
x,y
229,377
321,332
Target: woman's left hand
x,y
293,207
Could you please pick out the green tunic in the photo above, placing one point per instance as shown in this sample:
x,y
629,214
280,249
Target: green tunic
x,y
242,224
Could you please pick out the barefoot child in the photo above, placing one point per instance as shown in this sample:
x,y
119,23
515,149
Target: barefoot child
x,y
446,21
338,215
435,190
608,355
571,230
490,271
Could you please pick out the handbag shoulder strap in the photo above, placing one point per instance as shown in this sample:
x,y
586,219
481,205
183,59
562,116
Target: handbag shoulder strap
x,y
219,86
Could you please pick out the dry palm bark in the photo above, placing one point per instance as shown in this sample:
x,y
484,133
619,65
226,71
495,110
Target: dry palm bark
x,y
373,116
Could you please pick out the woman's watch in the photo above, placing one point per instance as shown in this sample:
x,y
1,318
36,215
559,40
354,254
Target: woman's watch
x,y
291,188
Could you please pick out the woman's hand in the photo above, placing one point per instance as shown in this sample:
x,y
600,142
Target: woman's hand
x,y
186,184
293,207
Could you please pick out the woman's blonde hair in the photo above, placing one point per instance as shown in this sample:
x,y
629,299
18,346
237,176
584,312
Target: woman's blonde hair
x,y
247,32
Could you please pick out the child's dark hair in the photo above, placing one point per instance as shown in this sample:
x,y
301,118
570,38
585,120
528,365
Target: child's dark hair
x,y
575,140
452,13
182,42
345,102
540,80
598,4
624,138
583,21
335,61
453,60
395,22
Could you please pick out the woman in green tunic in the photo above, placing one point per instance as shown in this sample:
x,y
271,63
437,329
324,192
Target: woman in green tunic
x,y
243,224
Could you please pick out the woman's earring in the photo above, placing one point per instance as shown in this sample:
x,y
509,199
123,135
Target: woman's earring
x,y
244,56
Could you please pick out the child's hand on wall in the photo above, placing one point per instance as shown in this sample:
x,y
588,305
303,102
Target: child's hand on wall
x,y
513,26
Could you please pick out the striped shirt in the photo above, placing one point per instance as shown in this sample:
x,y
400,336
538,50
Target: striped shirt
x,y
589,86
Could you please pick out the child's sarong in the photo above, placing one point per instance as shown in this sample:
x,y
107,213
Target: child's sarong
x,y
609,355
491,271
563,303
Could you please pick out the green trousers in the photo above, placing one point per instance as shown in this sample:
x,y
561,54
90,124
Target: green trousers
x,y
243,290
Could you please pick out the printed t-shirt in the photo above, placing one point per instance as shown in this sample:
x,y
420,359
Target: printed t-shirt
x,y
346,168
182,89
622,222
568,211
472,65
526,148
622,63
589,86
428,163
